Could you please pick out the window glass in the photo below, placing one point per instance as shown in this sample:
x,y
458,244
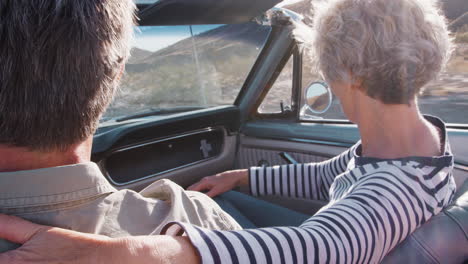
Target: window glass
x,y
185,66
279,96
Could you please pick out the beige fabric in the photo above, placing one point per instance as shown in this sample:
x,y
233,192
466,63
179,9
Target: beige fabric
x,y
78,197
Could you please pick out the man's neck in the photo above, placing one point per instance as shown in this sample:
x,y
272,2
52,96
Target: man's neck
x,y
396,131
17,159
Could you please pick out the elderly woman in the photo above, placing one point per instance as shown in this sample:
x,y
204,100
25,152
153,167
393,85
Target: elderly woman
x,y
376,55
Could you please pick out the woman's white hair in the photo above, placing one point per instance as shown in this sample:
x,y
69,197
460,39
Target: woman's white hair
x,y
393,47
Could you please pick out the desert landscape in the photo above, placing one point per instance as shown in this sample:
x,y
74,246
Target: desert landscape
x,y
206,70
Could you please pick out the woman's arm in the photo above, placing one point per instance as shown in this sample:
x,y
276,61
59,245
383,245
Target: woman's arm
x,y
306,181
360,225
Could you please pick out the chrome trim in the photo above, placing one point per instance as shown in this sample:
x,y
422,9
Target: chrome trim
x,y
288,158
330,99
459,166
164,139
102,162
308,141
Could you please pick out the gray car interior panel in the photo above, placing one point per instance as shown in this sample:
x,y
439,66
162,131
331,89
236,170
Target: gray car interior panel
x,y
443,239
255,151
309,151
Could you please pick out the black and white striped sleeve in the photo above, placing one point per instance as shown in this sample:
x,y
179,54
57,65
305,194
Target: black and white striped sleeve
x,y
381,210
306,181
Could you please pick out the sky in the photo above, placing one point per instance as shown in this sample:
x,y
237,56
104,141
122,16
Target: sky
x,y
288,2
153,38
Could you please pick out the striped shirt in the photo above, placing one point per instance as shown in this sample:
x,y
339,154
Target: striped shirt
x,y
374,204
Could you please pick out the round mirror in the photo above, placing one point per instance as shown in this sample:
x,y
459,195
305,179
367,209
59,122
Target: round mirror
x,y
318,97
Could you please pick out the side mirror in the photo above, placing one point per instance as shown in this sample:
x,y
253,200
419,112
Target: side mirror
x,y
318,98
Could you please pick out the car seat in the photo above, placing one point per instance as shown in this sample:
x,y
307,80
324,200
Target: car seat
x,y
443,239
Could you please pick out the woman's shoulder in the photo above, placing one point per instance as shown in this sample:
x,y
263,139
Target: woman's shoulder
x,y
429,180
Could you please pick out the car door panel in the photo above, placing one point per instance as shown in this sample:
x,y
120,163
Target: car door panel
x,y
263,140
255,151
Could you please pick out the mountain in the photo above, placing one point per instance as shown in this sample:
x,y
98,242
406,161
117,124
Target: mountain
x,y
226,37
208,69
137,55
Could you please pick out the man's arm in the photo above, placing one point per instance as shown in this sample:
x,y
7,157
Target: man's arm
x,y
43,244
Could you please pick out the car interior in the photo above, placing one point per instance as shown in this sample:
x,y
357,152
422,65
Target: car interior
x,y
186,144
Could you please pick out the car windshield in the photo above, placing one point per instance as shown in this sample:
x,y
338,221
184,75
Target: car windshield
x,y
186,67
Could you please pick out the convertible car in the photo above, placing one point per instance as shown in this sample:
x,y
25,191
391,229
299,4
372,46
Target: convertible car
x,y
217,85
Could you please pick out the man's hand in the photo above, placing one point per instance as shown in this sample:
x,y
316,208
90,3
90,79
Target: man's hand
x,y
43,244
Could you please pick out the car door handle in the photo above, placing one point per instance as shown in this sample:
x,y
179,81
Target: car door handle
x,y
288,158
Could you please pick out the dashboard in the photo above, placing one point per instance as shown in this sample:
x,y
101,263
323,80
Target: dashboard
x,y
159,156
182,147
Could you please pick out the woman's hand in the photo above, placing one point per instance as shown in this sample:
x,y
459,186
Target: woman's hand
x,y
221,183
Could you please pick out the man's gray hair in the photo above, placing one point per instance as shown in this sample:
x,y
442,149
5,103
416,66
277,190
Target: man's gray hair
x,y
60,62
394,47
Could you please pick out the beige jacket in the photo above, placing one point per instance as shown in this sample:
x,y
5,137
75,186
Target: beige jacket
x,y
78,197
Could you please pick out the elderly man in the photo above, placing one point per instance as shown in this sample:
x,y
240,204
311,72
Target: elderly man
x,y
60,65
